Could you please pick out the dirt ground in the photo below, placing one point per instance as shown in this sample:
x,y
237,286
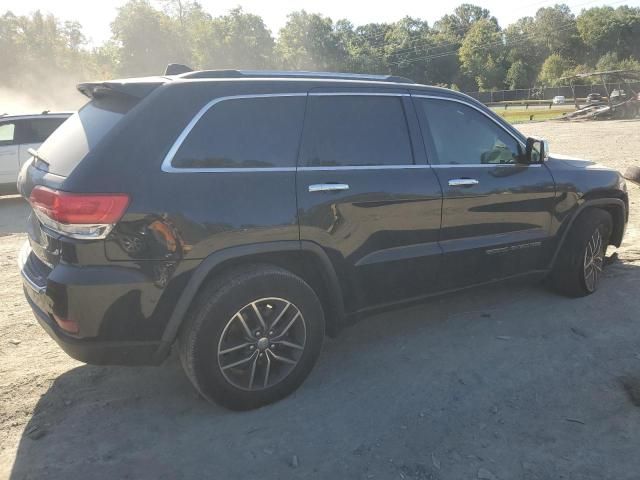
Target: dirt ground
x,y
503,382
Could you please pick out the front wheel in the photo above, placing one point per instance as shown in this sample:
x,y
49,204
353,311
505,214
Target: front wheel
x,y
253,337
578,269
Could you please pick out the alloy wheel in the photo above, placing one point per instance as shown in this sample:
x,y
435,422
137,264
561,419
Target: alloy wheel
x,y
261,344
593,260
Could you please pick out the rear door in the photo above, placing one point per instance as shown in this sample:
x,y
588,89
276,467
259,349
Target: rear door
x,y
367,196
9,151
497,210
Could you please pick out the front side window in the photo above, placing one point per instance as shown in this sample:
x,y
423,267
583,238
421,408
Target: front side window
x,y
463,136
260,132
355,130
7,133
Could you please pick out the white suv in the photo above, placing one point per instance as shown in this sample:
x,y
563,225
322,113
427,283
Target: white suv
x,y
18,134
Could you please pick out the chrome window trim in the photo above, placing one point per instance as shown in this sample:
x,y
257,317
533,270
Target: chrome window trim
x,y
468,104
483,165
169,168
361,167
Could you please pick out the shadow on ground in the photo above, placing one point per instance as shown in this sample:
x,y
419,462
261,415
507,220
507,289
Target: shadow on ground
x,y
510,380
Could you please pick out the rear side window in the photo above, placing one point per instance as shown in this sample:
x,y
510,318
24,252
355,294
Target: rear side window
x,y
260,132
355,130
69,144
37,130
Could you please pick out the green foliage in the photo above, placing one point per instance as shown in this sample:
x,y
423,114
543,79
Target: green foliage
x,y
605,30
465,49
554,68
308,41
556,31
482,54
458,24
518,75
148,39
610,61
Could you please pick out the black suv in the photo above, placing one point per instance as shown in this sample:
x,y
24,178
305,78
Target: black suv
x,y
242,215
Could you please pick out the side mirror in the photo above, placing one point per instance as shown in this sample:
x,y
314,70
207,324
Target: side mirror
x,y
537,150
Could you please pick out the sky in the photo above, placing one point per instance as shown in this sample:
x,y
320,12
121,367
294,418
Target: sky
x,y
96,15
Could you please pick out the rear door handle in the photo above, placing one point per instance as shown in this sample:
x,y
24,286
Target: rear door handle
x,y
463,182
328,187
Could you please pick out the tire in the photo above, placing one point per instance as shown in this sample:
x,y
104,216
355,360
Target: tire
x,y
571,275
633,174
223,329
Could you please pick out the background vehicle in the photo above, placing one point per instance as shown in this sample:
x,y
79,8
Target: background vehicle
x,y
595,99
240,215
558,100
19,133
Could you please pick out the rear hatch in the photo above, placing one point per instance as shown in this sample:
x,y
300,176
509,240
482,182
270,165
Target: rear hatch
x,y
57,216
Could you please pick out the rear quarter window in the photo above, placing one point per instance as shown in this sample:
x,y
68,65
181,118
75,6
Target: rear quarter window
x,y
76,137
253,132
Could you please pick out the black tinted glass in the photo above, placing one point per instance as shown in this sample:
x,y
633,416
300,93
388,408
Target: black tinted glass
x,y
354,130
245,133
463,136
37,130
81,132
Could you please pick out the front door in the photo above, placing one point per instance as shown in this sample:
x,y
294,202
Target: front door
x,y
367,196
496,211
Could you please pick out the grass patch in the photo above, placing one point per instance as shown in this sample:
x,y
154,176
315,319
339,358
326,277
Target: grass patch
x,y
535,114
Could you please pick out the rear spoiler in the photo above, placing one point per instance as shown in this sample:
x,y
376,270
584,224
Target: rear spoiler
x,y
135,87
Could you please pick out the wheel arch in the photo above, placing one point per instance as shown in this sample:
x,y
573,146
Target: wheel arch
x,y
616,207
305,259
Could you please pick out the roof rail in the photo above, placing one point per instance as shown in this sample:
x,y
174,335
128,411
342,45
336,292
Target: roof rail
x,y
293,74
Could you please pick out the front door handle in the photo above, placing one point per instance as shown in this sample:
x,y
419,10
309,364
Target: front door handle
x,y
328,187
463,182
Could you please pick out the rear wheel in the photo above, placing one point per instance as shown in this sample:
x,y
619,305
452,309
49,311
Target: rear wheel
x,y
252,337
579,266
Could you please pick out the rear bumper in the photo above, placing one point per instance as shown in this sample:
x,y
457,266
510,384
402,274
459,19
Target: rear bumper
x,y
91,350
95,352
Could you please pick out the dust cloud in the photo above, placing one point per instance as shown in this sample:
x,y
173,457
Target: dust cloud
x,y
36,95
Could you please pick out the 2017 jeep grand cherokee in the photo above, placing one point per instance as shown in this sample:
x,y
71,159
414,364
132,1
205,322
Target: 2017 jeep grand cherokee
x,y
241,215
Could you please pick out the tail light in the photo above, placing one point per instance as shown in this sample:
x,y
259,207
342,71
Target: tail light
x,y
78,215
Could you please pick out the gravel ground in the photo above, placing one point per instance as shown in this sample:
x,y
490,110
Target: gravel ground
x,y
501,382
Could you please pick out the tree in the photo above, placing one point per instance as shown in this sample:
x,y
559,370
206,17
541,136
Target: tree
x,y
147,38
610,61
605,30
308,42
553,68
237,40
364,46
482,55
518,75
458,24
556,31
407,43
524,52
